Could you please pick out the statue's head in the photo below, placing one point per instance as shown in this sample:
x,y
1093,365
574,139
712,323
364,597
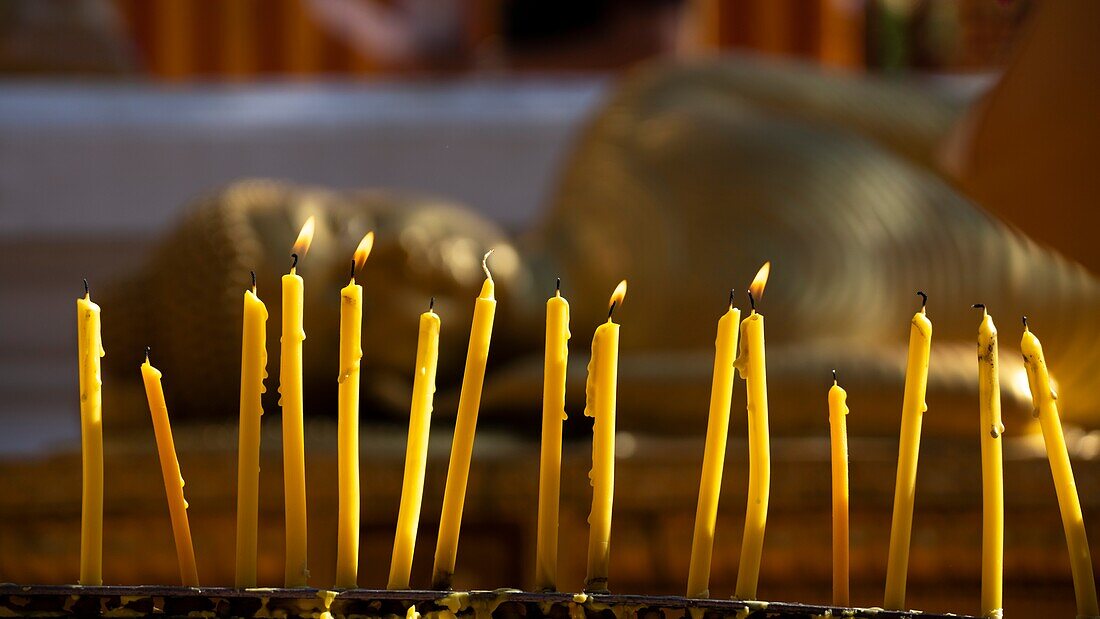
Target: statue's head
x,y
186,303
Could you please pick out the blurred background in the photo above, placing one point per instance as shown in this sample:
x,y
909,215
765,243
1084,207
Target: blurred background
x,y
127,126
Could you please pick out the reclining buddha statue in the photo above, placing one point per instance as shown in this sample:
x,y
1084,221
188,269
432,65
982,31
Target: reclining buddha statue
x,y
684,183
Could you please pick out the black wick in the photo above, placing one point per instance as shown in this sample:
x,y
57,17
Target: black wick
x,y
731,297
834,376
1025,322
611,309
253,274
752,301
147,349
293,261
924,299
86,286
980,306
557,286
353,268
431,304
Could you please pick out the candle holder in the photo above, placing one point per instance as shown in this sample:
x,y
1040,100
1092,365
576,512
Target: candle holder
x,y
61,600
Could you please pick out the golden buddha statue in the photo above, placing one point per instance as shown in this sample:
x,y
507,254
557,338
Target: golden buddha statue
x,y
690,177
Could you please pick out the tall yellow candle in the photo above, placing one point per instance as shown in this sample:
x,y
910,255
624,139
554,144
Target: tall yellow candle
x,y
714,454
462,446
1046,406
253,373
416,452
993,492
347,422
751,364
290,399
600,395
89,352
912,414
838,429
170,470
553,414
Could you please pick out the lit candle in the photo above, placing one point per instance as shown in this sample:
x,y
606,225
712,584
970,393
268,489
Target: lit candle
x,y
600,393
170,470
714,454
1046,406
912,414
462,447
347,421
253,373
750,363
553,414
89,351
416,452
993,492
290,398
838,428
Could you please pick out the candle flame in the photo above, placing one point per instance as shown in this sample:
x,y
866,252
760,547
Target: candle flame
x,y
758,282
305,237
617,296
363,251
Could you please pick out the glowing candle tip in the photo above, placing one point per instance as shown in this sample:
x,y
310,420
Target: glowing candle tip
x,y
361,253
756,289
616,298
305,238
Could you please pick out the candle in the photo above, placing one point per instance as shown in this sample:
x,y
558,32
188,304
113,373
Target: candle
x,y
838,411
553,414
469,400
253,373
290,398
1046,406
750,363
347,421
89,352
912,413
993,502
416,452
600,392
714,454
170,470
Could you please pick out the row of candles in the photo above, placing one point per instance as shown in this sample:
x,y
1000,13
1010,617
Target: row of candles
x,y
739,347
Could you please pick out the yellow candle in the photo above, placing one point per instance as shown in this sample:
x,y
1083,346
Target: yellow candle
x,y
993,502
416,452
170,469
600,393
290,399
714,454
751,364
89,352
1046,406
253,373
553,414
912,414
462,447
838,427
347,421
